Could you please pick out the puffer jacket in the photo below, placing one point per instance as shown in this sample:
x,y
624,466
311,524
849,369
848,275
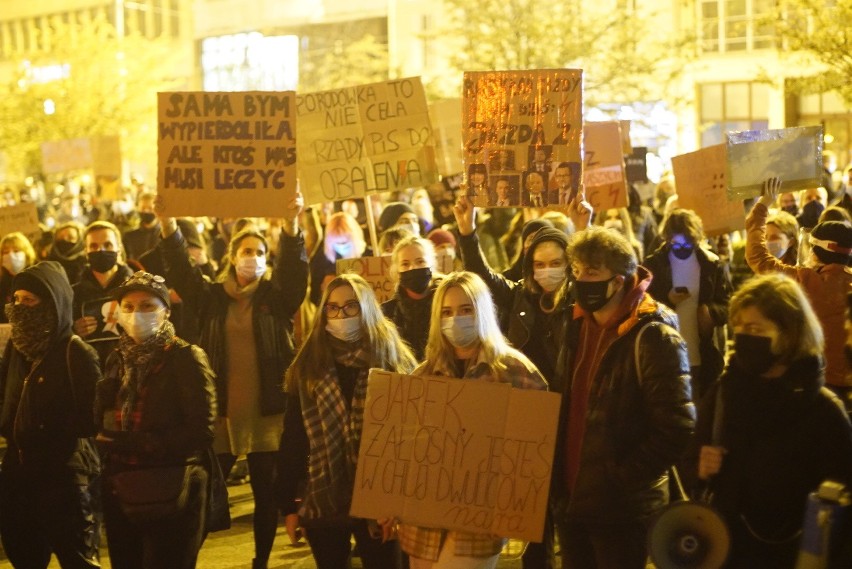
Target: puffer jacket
x,y
273,306
638,423
47,421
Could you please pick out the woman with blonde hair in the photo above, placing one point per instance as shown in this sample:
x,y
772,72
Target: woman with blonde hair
x,y
414,267
465,341
768,432
326,393
17,254
344,239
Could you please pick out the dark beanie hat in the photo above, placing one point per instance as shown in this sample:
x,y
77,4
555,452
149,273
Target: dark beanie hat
x,y
391,214
542,235
28,281
534,225
145,282
190,233
832,242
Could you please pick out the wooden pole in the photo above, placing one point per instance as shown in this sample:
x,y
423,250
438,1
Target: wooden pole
x,y
371,224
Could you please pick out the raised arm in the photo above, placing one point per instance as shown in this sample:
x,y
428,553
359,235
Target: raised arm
x,y
757,253
290,272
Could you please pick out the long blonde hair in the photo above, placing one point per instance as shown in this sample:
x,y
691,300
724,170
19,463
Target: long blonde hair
x,y
387,349
440,354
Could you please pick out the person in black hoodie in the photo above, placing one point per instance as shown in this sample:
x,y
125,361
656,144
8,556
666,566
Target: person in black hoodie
x,y
69,250
47,392
769,432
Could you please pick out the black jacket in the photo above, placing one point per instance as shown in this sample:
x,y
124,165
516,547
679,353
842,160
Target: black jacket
x,y
783,437
46,419
411,317
639,421
178,412
273,306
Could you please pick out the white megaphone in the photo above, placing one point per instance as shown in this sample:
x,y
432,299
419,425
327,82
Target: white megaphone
x,y
689,535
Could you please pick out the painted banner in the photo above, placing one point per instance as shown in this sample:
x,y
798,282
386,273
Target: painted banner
x,y
792,154
22,217
604,175
100,154
522,136
457,454
226,154
376,271
446,116
701,186
366,139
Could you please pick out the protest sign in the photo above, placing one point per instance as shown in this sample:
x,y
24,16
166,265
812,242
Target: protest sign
x,y
22,217
366,139
603,166
636,165
226,154
5,335
446,116
105,312
792,154
376,271
626,145
521,133
465,455
701,186
100,154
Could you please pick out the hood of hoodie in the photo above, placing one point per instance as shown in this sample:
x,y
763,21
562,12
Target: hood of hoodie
x,y
543,234
53,277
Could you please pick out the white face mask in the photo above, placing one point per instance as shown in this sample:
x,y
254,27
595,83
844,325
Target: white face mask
x,y
141,325
14,261
251,267
614,224
460,331
550,278
345,329
776,249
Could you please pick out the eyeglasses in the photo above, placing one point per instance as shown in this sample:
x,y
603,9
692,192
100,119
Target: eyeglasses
x,y
351,308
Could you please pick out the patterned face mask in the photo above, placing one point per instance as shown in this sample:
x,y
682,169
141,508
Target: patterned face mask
x,y
32,327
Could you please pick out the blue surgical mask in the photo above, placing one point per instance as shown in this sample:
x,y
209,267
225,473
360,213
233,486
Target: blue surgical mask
x,y
460,331
343,249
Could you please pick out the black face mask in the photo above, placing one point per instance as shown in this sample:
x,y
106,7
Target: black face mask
x,y
416,280
791,209
683,253
147,217
102,261
754,353
591,295
64,247
32,327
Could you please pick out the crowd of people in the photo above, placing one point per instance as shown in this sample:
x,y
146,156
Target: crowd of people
x,y
147,354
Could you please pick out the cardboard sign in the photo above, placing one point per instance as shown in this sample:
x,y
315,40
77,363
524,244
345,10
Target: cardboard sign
x,y
521,132
22,217
226,154
100,154
636,165
626,145
105,311
603,167
366,139
446,119
701,186
465,455
5,335
792,154
376,271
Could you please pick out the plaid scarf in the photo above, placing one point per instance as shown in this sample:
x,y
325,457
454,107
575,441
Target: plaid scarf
x,y
334,433
137,362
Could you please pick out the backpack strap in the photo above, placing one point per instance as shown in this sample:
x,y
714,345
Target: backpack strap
x,y
636,350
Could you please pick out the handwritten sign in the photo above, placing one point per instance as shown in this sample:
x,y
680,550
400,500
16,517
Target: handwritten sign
x,y
792,154
522,128
446,116
22,217
701,186
226,154
101,154
377,272
466,455
366,139
603,166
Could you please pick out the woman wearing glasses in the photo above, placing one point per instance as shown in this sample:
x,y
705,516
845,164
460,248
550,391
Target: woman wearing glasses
x,y
246,327
326,391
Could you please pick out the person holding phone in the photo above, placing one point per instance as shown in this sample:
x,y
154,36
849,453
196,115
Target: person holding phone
x,y
692,280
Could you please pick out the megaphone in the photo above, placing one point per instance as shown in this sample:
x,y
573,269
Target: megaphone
x,y
689,535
